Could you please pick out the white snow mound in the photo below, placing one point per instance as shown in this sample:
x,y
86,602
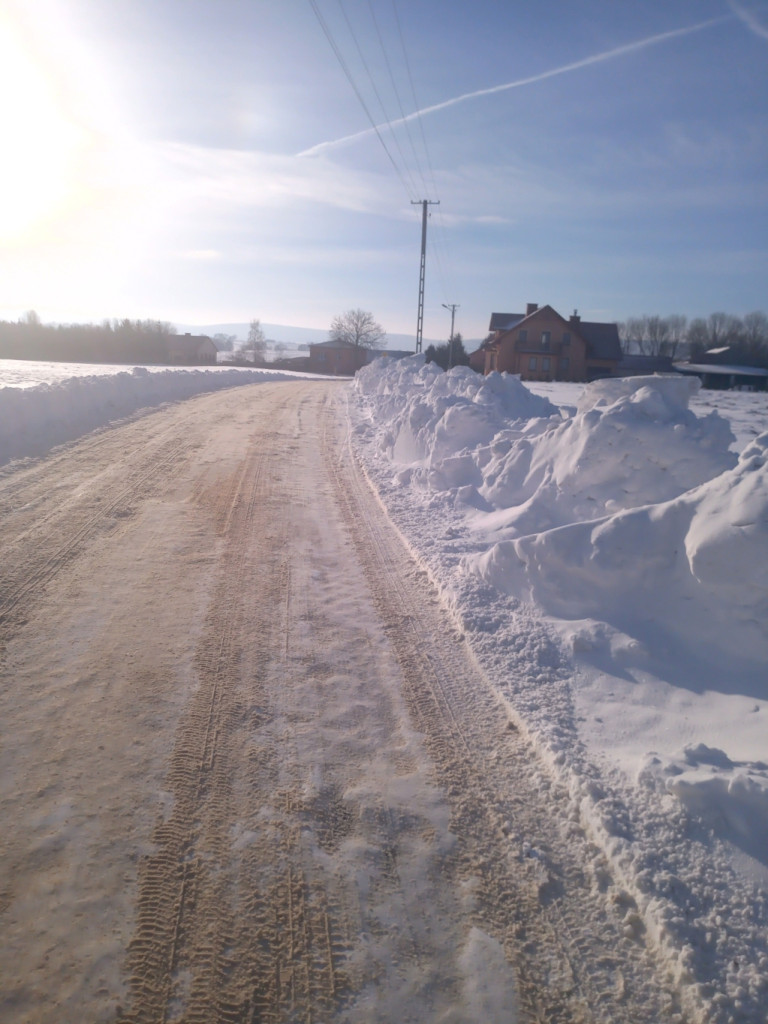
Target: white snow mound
x,y
33,420
685,576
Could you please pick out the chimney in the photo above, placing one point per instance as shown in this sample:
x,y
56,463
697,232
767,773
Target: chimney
x,y
575,318
531,307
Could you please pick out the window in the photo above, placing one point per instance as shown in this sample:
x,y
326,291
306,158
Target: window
x,y
523,335
545,364
545,337
565,363
532,363
566,337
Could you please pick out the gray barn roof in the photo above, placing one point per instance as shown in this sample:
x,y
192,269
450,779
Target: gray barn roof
x,y
505,321
602,339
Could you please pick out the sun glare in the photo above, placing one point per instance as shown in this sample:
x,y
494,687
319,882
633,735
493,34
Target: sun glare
x,y
41,145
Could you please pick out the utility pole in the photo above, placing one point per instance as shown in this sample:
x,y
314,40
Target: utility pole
x,y
453,307
424,203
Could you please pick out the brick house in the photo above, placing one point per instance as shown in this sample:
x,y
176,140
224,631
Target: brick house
x,y
344,359
190,350
542,345
341,358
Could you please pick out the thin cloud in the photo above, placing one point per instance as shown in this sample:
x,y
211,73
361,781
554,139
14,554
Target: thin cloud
x,y
748,19
597,58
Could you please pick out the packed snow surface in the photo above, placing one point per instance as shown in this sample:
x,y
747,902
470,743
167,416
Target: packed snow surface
x,y
605,548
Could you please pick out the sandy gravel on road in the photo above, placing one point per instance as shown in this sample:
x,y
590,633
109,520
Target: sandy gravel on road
x,y
249,771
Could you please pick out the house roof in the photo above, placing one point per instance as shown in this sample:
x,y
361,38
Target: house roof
x,y
505,321
720,370
602,339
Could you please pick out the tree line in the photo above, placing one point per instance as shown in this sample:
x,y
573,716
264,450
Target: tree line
x,y
111,341
448,354
675,336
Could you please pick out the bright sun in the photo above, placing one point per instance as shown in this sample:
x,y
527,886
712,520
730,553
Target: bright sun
x,y
41,146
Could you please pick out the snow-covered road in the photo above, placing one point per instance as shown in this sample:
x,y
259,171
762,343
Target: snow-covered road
x,y
250,769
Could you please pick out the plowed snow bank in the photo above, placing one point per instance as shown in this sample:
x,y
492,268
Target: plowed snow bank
x,y
609,562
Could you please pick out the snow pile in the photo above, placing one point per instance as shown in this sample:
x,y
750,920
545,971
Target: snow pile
x,y
35,419
608,562
631,442
436,420
632,511
685,577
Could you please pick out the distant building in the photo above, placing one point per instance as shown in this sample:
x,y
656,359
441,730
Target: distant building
x,y
542,345
723,377
344,359
190,350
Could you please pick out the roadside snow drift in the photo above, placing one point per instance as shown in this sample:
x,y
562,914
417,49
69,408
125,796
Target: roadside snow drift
x,y
35,419
609,561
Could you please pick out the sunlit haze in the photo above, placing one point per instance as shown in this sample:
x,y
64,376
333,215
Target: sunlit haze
x,y
210,162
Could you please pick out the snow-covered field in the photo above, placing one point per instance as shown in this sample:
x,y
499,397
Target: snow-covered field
x,y
605,549
606,552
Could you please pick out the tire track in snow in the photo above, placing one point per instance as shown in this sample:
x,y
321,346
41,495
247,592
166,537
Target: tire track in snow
x,y
573,961
27,568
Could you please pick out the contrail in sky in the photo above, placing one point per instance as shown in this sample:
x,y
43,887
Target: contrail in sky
x,y
598,58
749,19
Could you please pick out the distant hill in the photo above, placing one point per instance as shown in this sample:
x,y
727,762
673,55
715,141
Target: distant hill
x,y
292,337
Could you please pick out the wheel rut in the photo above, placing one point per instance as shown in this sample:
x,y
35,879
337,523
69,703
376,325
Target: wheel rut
x,y
572,959
248,751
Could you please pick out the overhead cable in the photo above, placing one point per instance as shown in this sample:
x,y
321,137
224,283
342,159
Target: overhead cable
x,y
378,97
342,63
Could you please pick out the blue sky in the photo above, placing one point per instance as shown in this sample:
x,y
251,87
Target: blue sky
x,y
206,161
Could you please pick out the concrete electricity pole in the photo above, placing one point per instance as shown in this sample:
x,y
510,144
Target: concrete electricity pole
x,y
453,307
424,203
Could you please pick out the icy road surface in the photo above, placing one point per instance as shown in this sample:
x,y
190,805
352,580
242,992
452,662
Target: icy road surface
x,y
249,769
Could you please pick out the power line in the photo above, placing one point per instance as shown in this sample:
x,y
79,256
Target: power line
x,y
442,234
416,106
350,79
424,203
396,92
386,116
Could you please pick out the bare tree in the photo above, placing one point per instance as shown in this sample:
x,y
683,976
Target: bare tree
x,y
658,335
224,342
636,335
723,329
652,335
256,343
358,327
677,324
755,335
698,339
